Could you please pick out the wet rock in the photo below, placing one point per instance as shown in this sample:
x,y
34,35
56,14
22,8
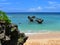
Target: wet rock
x,y
22,39
39,20
30,19
33,18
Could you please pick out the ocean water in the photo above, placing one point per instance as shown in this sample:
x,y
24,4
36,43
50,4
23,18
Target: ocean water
x,y
51,22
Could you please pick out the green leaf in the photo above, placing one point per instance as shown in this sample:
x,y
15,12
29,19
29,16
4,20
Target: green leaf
x,y
4,17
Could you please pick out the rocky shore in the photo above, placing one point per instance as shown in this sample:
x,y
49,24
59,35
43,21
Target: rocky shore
x,y
9,32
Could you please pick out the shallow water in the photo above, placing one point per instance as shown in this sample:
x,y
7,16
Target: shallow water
x,y
51,22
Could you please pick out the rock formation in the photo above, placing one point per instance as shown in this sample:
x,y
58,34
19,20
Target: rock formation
x,y
39,20
9,33
33,18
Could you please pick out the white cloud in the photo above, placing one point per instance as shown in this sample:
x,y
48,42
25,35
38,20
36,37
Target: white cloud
x,y
52,5
14,8
51,2
32,9
3,0
35,9
5,3
39,8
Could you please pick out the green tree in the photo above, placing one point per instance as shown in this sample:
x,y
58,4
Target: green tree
x,y
4,17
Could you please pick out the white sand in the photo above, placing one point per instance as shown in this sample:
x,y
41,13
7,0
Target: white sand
x,y
43,39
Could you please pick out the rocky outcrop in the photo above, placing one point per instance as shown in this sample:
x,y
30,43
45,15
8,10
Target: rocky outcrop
x,y
30,19
10,35
39,20
33,18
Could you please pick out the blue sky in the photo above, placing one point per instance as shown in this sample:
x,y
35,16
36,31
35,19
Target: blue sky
x,y
30,5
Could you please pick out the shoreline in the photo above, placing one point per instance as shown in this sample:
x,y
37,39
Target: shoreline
x,y
44,35
52,38
55,32
39,32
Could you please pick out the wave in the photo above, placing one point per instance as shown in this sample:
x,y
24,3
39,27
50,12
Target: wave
x,y
38,32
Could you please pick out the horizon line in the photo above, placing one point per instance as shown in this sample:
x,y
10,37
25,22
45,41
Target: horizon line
x,y
32,12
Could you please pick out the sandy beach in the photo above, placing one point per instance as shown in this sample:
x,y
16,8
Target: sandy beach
x,y
43,39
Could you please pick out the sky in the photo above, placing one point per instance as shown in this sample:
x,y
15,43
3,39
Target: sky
x,y
30,5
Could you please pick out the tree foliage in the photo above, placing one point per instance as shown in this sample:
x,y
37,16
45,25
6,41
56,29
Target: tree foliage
x,y
4,17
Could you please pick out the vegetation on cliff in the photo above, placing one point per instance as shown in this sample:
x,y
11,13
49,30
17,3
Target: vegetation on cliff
x,y
3,16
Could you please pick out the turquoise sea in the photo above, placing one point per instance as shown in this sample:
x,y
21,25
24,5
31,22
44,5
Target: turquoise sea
x,y
51,22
